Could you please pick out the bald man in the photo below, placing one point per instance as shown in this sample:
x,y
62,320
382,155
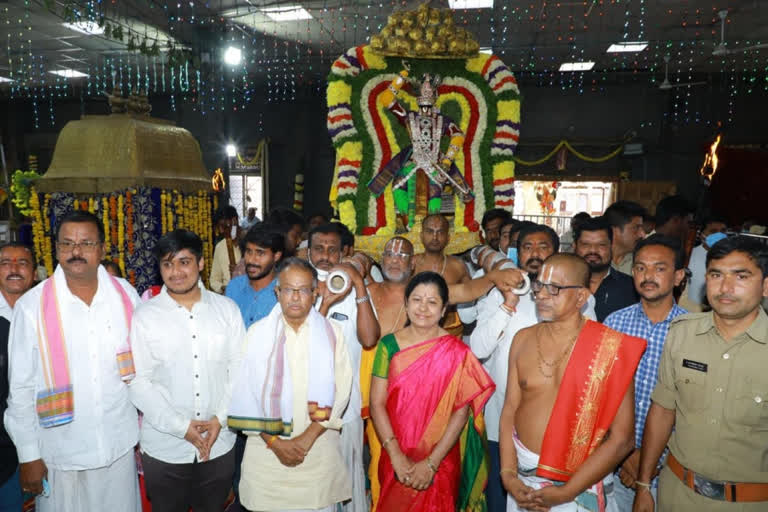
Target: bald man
x,y
568,415
435,237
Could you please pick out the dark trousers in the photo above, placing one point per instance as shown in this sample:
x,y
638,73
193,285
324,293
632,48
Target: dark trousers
x,y
203,486
495,495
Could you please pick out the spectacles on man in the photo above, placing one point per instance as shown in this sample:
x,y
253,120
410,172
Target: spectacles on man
x,y
85,246
289,292
552,289
399,255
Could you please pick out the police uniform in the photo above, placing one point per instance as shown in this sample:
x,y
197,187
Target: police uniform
x,y
719,392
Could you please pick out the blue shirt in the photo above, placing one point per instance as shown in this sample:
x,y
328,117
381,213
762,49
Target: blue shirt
x,y
633,321
253,305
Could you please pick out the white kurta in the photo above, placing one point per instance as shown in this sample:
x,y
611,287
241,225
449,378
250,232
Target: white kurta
x,y
220,274
105,424
322,479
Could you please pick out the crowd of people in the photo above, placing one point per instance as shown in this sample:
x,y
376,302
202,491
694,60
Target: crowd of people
x,y
610,369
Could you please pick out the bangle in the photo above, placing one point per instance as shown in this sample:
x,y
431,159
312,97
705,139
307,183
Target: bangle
x,y
385,443
508,310
361,300
643,485
430,465
508,470
270,441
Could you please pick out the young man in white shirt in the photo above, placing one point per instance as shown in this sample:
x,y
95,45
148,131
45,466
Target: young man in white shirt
x,y
186,343
87,456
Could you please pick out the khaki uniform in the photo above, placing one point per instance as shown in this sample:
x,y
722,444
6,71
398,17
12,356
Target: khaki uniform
x,y
625,266
719,392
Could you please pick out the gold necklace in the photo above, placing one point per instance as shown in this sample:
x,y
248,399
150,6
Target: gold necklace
x,y
397,319
554,365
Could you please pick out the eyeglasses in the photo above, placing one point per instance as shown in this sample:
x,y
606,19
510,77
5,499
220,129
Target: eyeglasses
x,y
85,246
552,289
399,255
288,292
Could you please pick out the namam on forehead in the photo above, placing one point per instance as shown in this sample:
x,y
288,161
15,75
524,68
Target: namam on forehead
x,y
566,267
399,245
435,221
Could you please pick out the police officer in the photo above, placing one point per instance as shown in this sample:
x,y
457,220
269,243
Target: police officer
x,y
713,391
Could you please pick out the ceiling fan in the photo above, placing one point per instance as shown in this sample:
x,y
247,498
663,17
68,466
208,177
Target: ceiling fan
x,y
721,49
667,85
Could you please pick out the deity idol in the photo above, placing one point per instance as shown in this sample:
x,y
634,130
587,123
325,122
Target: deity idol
x,y
426,128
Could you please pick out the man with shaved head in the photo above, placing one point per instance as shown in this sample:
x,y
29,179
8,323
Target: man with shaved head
x,y
435,237
567,419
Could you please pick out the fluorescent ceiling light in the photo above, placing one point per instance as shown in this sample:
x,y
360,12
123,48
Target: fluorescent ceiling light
x,y
69,73
287,13
577,66
637,46
486,49
85,27
231,150
232,56
5,80
470,4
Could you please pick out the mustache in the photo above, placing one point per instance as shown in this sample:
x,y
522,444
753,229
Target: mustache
x,y
532,260
76,260
252,267
725,296
654,283
592,254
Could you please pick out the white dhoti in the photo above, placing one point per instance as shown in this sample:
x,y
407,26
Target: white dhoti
x,y
352,451
114,488
594,499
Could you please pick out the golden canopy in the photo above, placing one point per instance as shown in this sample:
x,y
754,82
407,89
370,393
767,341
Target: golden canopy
x,y
103,153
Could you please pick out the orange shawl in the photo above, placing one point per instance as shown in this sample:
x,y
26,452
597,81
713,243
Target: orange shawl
x,y
598,374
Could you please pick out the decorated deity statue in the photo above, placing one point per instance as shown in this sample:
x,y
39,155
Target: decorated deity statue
x,y
422,163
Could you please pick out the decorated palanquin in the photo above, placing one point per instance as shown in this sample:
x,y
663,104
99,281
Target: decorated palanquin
x,y
141,176
388,112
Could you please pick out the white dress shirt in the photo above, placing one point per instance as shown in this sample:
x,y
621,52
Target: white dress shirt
x,y
345,314
697,287
185,366
105,424
6,311
490,342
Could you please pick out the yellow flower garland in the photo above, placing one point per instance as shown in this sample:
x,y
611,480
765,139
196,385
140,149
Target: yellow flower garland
x,y
121,232
105,220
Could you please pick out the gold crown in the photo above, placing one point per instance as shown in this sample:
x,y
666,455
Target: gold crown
x,y
427,32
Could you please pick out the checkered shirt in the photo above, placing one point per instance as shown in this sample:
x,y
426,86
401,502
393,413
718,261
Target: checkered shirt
x,y
633,321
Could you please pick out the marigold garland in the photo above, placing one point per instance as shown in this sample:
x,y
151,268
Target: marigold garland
x,y
121,233
105,220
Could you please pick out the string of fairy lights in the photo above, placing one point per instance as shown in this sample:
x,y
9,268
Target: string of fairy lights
x,y
285,61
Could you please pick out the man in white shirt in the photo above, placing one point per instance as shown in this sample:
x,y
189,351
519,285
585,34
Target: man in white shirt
x,y
87,457
353,311
17,274
186,344
226,254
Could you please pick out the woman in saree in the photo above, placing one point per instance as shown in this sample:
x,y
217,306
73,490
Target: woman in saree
x,y
427,395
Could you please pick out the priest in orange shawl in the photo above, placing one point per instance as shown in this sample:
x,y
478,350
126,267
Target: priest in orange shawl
x,y
568,416
427,396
